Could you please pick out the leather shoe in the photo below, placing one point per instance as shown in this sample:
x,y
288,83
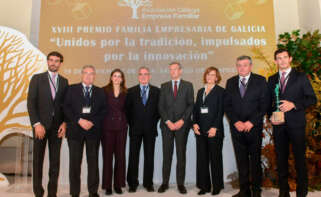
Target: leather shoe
x,y
216,191
163,188
284,193
108,192
201,192
118,190
182,189
132,189
150,188
93,195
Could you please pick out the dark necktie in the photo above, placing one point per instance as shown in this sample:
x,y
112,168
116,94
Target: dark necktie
x,y
243,87
87,95
175,89
144,96
282,80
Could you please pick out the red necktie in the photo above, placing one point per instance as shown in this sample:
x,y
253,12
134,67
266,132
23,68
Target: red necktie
x,y
282,80
175,89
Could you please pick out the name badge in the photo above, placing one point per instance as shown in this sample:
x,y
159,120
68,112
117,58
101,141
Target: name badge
x,y
204,110
86,110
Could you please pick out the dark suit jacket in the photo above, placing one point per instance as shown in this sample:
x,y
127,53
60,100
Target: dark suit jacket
x,y
73,105
40,104
253,106
214,101
142,118
297,90
115,119
174,109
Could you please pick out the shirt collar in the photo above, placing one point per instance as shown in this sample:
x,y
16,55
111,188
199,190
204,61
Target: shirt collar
x,y
84,85
51,73
178,81
141,86
246,77
287,71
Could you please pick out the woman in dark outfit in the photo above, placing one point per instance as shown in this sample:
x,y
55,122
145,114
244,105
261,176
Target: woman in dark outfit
x,y
114,134
208,128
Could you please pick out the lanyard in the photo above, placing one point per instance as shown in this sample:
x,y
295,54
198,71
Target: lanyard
x,y
53,84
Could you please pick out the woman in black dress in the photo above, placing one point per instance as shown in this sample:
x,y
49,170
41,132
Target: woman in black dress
x,y
208,128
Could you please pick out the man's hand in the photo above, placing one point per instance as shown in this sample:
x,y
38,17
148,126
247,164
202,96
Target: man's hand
x,y
248,126
286,106
179,124
171,125
196,129
212,132
62,130
40,131
85,124
239,125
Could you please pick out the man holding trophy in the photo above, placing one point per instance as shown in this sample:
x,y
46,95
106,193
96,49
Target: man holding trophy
x,y
291,94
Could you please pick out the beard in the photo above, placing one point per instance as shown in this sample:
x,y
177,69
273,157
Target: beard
x,y
52,68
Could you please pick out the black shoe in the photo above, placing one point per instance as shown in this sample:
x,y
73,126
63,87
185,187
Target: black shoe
x,y
108,192
284,193
118,190
163,188
132,189
216,191
150,188
93,195
201,192
182,189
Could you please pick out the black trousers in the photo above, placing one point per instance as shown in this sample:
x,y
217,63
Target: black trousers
x,y
209,158
76,148
180,138
247,148
133,162
39,147
283,136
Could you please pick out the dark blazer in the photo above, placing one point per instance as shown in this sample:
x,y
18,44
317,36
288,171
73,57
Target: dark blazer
x,y
142,118
297,90
174,109
40,104
115,119
214,101
73,104
253,106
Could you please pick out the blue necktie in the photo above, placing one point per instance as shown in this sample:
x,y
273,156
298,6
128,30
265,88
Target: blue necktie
x,y
144,96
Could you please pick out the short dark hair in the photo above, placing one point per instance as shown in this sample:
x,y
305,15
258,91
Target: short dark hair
x,y
177,63
281,51
244,57
57,54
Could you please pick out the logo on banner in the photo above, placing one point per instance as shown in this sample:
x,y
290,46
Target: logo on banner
x,y
134,5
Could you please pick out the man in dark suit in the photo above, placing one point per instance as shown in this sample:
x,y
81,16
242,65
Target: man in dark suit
x,y
246,103
45,101
175,107
142,116
84,107
296,94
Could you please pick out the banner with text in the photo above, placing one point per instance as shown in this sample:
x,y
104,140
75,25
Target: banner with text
x,y
127,34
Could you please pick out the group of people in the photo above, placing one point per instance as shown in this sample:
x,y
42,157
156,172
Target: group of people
x,y
89,115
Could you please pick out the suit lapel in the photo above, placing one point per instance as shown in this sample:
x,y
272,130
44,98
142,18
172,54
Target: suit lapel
x,y
45,82
237,87
291,80
249,85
